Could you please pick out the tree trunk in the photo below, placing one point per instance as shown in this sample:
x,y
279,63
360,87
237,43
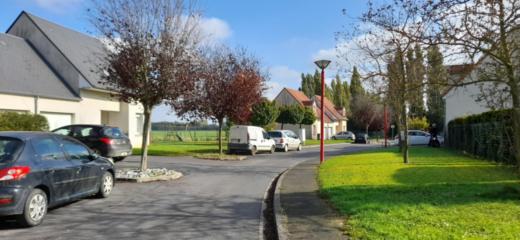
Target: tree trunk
x,y
515,94
282,126
405,129
220,122
146,136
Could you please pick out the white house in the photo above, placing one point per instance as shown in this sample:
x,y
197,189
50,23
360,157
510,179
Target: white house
x,y
463,100
51,70
335,118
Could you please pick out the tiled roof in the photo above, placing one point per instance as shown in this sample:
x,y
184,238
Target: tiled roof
x,y
298,96
330,114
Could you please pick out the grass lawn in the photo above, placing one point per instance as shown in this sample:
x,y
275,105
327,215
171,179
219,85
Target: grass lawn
x,y
440,195
181,148
309,142
190,135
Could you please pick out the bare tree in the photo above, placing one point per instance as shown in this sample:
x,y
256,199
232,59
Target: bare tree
x,y
150,51
231,82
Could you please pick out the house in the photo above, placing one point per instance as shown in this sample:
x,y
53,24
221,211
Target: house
x,y
464,100
51,70
335,119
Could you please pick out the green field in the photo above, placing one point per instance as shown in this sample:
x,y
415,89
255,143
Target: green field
x,y
441,194
180,148
185,136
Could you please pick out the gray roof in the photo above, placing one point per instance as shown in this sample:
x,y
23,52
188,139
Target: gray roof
x,y
83,51
24,72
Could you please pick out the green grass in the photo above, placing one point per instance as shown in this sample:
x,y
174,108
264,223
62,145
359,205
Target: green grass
x,y
181,148
187,136
440,195
309,142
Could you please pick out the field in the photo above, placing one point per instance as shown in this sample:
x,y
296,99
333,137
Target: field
x,y
441,194
185,136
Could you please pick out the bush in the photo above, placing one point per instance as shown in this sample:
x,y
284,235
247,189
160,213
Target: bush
x,y
489,135
419,123
12,121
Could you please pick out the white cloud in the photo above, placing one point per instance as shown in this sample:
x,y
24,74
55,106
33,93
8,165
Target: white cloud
x,y
281,76
215,29
59,5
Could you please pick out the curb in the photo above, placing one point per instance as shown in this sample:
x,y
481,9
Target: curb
x,y
264,205
280,217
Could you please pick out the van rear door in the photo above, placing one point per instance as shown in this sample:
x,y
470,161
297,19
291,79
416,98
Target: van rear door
x,y
238,134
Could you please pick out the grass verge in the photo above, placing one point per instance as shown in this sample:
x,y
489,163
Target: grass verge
x,y
441,194
180,148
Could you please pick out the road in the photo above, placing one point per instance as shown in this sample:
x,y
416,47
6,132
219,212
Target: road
x,y
214,200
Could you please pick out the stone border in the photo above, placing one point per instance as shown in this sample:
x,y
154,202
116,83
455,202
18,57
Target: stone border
x,y
237,159
280,216
144,179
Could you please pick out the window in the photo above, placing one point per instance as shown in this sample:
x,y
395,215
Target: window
x,y
63,131
75,150
113,132
9,149
86,132
48,149
140,123
266,135
275,134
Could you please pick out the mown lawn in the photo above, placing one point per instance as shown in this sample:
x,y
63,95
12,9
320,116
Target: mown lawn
x,y
440,195
180,148
309,142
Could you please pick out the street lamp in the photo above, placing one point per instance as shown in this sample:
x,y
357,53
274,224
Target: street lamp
x,y
322,64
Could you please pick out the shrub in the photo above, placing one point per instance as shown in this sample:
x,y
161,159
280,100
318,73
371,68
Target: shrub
x,y
419,123
489,135
12,121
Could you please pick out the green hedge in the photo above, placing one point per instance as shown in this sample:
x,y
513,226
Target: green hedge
x,y
12,121
488,135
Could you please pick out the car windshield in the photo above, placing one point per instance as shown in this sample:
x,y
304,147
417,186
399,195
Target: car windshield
x,y
9,149
113,132
275,134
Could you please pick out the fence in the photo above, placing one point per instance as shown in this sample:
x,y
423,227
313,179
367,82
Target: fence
x,y
488,135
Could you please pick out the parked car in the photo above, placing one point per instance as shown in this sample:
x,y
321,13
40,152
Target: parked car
x,y
106,141
362,138
285,140
344,135
418,137
250,139
41,170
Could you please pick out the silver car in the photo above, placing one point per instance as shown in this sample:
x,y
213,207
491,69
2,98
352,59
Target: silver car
x,y
344,136
286,140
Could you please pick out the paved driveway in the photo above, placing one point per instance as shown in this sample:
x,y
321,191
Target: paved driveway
x,y
214,200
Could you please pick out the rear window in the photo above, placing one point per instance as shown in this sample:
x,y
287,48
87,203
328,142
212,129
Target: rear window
x,y
113,132
275,134
85,131
9,149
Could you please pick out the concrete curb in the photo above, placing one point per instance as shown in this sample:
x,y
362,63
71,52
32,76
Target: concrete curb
x,y
281,218
264,206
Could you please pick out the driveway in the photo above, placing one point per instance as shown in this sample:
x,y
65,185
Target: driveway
x,y
214,200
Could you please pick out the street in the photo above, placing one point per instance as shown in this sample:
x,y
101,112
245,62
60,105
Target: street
x,y
214,200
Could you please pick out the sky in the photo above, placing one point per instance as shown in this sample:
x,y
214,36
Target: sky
x,y
287,36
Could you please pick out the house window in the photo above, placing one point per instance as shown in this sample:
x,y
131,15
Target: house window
x,y
140,123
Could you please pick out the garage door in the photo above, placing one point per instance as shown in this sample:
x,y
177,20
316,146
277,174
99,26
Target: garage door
x,y
57,120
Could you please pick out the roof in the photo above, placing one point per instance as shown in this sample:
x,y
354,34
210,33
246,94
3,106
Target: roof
x,y
330,109
31,76
331,114
83,51
300,97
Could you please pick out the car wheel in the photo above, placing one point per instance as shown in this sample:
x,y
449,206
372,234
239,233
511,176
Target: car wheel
x,y
106,185
118,159
273,148
253,151
285,148
35,209
299,147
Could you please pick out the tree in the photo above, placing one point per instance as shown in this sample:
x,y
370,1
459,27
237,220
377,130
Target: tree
x,y
415,62
346,97
149,52
230,84
264,114
308,117
338,94
356,88
317,83
368,112
437,78
291,114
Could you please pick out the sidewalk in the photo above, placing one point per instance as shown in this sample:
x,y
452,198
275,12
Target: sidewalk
x,y
304,215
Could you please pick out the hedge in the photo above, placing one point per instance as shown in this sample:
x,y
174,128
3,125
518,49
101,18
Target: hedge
x,y
12,121
488,135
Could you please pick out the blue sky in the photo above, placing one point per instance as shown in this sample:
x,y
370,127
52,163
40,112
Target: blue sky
x,y
286,35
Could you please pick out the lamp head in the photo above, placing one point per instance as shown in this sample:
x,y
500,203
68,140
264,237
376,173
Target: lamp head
x,y
322,64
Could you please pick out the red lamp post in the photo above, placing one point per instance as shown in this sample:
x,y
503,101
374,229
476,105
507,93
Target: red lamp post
x,y
322,64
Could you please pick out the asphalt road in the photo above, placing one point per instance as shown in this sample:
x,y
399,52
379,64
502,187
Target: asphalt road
x,y
214,200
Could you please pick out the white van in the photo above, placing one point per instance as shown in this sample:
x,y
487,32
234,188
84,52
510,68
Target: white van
x,y
250,139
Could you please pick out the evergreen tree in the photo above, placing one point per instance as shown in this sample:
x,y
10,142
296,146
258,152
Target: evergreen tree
x,y
337,92
436,76
356,88
317,83
416,73
346,96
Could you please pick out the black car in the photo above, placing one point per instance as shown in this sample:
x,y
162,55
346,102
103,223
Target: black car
x,y
41,170
361,138
106,141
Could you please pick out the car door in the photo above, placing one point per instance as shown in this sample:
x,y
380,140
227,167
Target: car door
x,y
58,170
79,156
266,144
413,138
294,139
